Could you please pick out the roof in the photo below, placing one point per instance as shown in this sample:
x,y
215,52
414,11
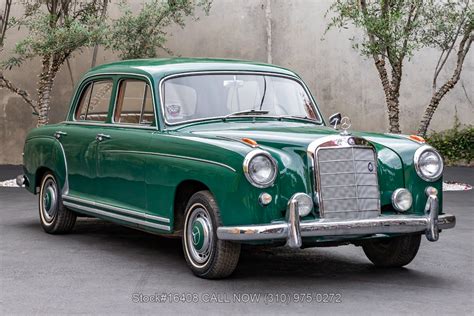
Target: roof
x,y
160,67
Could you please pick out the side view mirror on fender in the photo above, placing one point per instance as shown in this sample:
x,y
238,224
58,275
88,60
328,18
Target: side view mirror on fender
x,y
335,119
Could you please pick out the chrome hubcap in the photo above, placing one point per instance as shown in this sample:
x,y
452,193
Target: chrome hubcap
x,y
199,234
50,200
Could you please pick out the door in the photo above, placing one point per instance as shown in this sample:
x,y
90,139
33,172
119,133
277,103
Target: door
x,y
79,136
123,149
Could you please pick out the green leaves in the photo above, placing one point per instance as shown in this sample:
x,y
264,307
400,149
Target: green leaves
x,y
397,28
56,32
455,144
140,35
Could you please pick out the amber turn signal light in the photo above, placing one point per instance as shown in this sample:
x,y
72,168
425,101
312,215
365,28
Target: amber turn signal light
x,y
417,138
250,141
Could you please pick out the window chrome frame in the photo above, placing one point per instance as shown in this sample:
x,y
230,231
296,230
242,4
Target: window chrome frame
x,y
232,72
70,118
83,90
119,82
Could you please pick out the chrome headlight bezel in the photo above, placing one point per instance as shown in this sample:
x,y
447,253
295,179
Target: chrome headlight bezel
x,y
419,166
304,200
248,159
396,199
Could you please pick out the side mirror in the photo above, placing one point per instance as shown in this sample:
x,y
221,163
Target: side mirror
x,y
335,119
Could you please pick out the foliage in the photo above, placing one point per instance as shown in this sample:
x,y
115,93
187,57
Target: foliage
x,y
455,144
401,27
55,30
393,30
139,35
58,33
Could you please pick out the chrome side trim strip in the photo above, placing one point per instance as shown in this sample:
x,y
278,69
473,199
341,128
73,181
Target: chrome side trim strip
x,y
172,156
117,209
116,216
65,189
109,125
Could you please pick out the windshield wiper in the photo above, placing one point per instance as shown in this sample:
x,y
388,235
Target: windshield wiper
x,y
295,117
246,112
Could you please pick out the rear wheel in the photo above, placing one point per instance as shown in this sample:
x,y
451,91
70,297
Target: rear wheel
x,y
392,252
206,255
54,217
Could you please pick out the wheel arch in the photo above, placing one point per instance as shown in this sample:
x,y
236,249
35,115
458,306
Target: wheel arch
x,y
184,190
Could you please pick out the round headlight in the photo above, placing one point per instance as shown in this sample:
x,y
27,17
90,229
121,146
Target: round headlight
x,y
428,163
260,168
402,200
305,203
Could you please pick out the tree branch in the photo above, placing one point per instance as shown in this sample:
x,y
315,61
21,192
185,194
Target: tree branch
x,y
440,66
4,21
412,16
7,84
463,49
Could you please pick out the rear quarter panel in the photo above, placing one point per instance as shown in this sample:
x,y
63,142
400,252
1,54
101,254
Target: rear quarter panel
x,y
43,151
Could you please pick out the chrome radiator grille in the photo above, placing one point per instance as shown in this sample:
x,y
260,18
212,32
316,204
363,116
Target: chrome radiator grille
x,y
348,185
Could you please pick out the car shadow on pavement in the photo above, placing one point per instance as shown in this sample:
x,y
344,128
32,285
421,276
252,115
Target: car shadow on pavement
x,y
257,263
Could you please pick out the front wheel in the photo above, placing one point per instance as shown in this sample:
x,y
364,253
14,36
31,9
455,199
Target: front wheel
x,y
206,255
392,252
54,217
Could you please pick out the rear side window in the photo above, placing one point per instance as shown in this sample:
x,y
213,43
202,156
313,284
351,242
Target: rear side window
x,y
94,102
134,103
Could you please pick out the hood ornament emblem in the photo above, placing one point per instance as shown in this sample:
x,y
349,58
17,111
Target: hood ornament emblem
x,y
345,125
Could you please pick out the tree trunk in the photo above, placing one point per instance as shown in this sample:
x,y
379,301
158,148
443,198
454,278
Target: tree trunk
x,y
394,103
431,108
391,97
44,100
394,114
45,86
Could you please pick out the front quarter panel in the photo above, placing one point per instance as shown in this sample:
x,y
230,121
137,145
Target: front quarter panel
x,y
217,164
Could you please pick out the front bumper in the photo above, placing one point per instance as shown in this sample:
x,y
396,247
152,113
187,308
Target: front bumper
x,y
292,230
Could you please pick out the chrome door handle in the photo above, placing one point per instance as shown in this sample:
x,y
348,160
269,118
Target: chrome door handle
x,y
59,134
101,137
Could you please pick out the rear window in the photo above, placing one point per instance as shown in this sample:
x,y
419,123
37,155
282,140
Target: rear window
x,y
94,102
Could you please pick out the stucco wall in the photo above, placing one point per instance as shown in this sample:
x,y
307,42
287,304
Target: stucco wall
x,y
339,77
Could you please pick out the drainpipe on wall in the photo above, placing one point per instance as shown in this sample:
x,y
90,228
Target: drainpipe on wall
x,y
268,18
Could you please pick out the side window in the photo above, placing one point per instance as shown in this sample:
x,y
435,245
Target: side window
x,y
134,103
94,102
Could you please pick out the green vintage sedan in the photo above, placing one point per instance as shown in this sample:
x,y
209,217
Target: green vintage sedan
x,y
227,152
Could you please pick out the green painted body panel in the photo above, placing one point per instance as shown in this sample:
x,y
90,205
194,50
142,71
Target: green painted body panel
x,y
141,169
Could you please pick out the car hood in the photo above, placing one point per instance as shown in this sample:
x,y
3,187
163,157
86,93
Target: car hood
x,y
296,135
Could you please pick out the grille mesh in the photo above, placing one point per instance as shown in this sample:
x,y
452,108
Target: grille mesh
x,y
348,182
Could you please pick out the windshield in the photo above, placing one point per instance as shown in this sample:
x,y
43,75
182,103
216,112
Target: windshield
x,y
195,97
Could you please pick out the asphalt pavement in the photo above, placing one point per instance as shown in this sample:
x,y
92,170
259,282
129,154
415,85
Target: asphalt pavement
x,y
102,268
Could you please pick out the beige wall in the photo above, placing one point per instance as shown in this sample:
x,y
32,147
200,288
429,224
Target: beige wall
x,y
339,77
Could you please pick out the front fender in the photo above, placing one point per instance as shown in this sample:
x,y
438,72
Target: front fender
x,y
218,164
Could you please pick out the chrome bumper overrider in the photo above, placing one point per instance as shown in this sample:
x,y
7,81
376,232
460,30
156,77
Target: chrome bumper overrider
x,y
293,229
